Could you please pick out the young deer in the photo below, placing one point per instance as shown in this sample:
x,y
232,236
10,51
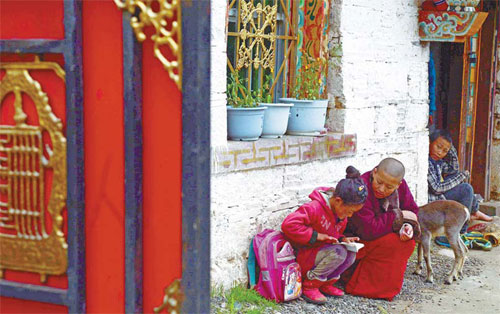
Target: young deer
x,y
443,217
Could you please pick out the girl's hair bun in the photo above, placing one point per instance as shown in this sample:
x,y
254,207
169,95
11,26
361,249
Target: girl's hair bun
x,y
352,173
352,189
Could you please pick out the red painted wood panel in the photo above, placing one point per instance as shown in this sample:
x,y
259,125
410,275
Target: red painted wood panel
x,y
54,87
34,19
11,305
31,19
162,129
104,156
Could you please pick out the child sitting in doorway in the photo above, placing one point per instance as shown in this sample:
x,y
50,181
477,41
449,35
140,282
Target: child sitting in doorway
x,y
315,231
445,179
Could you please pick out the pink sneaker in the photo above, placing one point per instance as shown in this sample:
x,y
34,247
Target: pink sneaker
x,y
329,289
310,292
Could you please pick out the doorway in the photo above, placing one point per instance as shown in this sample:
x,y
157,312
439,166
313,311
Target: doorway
x,y
455,97
464,84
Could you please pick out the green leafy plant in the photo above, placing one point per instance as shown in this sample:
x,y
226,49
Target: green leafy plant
x,y
240,96
265,91
309,78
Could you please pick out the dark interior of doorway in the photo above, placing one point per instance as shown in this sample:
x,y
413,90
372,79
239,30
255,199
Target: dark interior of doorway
x,y
448,66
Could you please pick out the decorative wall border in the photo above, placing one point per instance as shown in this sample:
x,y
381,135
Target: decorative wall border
x,y
265,153
71,47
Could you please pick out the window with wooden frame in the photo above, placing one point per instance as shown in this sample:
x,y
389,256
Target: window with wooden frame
x,y
262,44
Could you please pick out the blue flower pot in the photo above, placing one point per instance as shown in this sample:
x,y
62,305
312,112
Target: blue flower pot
x,y
275,120
307,117
245,124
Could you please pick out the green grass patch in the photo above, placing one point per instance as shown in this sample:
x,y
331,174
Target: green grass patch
x,y
242,300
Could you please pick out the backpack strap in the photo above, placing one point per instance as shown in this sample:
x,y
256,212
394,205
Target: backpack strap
x,y
251,266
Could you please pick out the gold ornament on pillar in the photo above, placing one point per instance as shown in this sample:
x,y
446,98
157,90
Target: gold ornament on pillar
x,y
165,17
172,300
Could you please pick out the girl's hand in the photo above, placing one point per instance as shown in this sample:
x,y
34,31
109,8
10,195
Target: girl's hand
x,y
350,239
326,238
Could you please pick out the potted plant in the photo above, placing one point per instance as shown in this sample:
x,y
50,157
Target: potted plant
x,y
308,115
276,114
245,118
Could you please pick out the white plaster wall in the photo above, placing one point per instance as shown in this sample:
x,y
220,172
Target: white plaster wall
x,y
218,60
384,73
495,171
384,82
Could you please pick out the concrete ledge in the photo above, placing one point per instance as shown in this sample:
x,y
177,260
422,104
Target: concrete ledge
x,y
265,153
491,208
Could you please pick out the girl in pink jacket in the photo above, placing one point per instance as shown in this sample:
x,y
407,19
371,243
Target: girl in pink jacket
x,y
315,230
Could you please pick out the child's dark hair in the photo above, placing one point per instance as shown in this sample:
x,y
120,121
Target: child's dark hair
x,y
437,133
352,190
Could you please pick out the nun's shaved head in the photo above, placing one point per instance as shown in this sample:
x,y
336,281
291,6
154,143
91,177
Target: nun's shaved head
x,y
392,167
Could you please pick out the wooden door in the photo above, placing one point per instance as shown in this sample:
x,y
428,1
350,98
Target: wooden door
x,y
41,153
482,166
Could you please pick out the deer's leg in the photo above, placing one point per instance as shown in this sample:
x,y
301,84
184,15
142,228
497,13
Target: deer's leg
x,y
426,247
454,239
420,253
461,266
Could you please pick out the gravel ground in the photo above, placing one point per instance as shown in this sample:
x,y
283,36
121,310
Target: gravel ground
x,y
413,291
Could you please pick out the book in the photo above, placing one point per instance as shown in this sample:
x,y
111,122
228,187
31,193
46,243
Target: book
x,y
353,247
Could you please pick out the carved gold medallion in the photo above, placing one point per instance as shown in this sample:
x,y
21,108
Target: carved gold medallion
x,y
257,36
31,221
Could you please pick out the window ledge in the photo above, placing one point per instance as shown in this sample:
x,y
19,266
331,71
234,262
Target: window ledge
x,y
288,150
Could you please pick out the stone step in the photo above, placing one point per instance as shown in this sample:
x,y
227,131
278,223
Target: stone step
x,y
491,208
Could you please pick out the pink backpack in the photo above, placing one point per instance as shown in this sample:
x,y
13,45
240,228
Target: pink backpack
x,y
280,277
